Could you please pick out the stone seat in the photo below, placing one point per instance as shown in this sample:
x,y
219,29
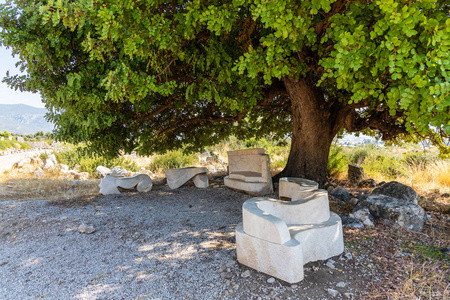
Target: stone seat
x,y
278,237
249,171
248,176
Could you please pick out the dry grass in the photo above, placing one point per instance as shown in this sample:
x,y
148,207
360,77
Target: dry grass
x,y
21,184
435,175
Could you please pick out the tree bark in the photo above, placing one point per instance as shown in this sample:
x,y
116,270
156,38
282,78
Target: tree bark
x,y
314,127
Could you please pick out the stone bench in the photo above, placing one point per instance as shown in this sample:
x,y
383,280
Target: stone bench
x,y
249,171
278,237
178,177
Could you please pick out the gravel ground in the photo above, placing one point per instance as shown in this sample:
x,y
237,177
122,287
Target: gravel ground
x,y
165,244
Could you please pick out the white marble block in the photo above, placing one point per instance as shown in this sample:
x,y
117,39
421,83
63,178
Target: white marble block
x,y
249,171
109,184
278,237
178,177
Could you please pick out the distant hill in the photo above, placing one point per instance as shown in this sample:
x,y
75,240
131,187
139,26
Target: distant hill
x,y
23,119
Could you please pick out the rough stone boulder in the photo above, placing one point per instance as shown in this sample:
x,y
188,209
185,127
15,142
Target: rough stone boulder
x,y
103,171
398,213
355,173
341,194
397,190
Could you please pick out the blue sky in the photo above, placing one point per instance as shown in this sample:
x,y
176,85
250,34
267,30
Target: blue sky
x,y
10,96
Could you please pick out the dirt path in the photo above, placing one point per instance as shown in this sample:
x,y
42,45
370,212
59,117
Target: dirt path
x,y
7,161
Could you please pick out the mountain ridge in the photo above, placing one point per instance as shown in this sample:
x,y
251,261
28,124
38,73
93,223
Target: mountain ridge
x,y
23,119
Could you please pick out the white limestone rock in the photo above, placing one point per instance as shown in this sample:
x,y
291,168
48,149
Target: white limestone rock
x,y
178,177
109,184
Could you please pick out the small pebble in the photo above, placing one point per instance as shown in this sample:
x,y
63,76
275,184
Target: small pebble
x,y
271,280
341,284
245,274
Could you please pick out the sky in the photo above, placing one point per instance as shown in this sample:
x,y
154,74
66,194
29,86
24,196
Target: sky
x,y
10,96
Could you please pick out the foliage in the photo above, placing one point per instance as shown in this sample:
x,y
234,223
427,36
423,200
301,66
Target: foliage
x,y
7,144
337,161
5,134
161,75
420,160
172,160
81,158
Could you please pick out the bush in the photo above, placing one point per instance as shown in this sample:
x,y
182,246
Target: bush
x,y
337,161
420,160
81,158
172,160
7,144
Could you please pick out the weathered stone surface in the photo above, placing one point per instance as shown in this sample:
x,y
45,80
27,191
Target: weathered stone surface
x,y
370,183
398,190
178,177
109,184
364,216
355,173
278,237
118,172
398,213
50,162
103,171
352,223
340,194
83,228
249,171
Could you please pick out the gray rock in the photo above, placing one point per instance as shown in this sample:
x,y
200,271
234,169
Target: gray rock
x,y
351,222
103,171
245,274
364,216
332,292
355,174
394,212
83,228
341,284
354,201
341,194
397,190
362,195
370,183
271,280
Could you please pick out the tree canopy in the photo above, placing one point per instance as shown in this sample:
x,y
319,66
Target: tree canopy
x,y
159,75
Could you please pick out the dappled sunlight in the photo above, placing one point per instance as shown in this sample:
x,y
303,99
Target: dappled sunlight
x,y
32,261
92,291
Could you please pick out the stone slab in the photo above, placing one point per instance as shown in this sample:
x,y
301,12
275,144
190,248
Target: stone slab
x,y
283,261
178,177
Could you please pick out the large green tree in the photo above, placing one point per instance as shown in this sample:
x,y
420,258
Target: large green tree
x,y
157,75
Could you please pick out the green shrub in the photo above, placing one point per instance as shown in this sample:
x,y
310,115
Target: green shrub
x,y
357,155
385,164
79,157
7,144
172,160
337,161
420,160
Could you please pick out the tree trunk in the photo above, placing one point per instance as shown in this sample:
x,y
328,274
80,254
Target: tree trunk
x,y
313,132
